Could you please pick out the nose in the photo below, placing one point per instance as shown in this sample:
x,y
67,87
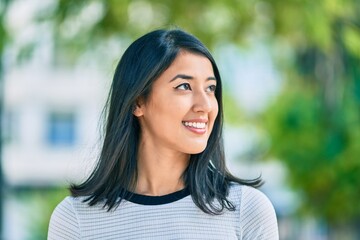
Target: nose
x,y
203,102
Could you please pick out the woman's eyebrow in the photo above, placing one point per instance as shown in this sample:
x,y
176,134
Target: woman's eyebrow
x,y
183,76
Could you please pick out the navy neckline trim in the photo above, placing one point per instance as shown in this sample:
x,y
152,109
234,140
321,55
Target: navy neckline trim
x,y
157,200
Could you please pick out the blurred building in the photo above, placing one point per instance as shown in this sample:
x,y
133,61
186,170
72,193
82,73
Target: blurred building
x,y
50,123
50,131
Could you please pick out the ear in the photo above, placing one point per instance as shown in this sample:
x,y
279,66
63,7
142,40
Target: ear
x,y
138,111
139,108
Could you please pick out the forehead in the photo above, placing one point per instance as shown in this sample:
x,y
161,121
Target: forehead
x,y
188,62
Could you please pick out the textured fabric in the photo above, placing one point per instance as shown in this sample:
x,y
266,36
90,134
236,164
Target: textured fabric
x,y
254,218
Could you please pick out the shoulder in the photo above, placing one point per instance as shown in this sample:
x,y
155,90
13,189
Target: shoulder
x,y
247,195
65,207
257,214
69,206
64,220
253,196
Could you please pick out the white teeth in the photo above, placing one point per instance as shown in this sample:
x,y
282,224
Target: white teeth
x,y
195,124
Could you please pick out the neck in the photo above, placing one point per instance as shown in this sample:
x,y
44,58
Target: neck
x,y
160,171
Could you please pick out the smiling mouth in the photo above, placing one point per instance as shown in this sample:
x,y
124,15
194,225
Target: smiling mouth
x,y
197,125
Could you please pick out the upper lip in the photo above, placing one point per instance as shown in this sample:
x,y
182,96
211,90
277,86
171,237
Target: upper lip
x,y
200,120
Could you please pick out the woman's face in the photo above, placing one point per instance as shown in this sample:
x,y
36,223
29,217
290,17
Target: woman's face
x,y
180,112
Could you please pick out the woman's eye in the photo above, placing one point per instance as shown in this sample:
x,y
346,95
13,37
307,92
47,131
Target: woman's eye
x,y
184,86
211,88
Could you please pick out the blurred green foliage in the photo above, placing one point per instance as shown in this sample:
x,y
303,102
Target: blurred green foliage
x,y
304,23
38,205
320,151
314,124
45,201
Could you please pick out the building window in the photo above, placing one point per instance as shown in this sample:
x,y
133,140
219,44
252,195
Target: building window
x,y
61,129
9,131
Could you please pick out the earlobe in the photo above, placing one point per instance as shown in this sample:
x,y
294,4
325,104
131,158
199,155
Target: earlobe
x,y
138,108
138,111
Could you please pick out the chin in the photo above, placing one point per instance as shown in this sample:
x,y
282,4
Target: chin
x,y
197,150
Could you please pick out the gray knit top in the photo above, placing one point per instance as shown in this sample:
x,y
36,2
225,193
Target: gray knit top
x,y
172,216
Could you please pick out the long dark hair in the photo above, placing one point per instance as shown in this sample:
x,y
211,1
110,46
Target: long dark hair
x,y
115,174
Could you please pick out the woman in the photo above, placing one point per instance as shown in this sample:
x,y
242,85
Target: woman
x,y
161,173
